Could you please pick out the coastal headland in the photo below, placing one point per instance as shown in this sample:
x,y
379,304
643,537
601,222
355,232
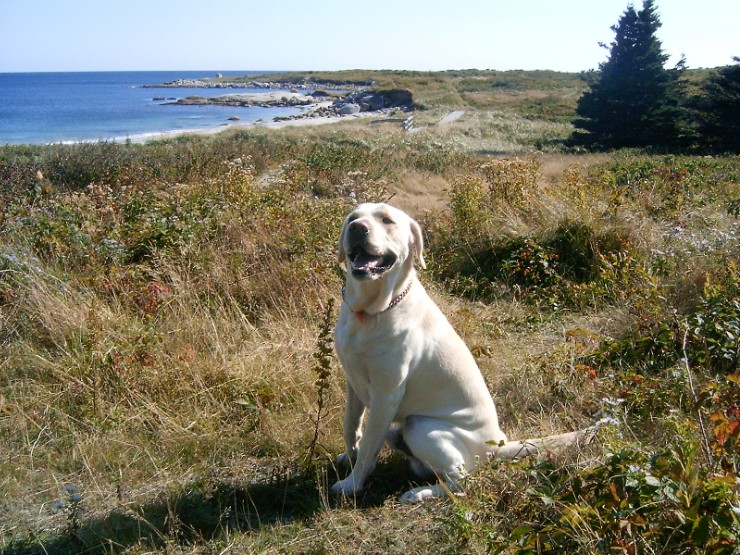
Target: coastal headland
x,y
322,99
220,83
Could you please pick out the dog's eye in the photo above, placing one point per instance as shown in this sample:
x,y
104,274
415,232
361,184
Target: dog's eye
x,y
388,221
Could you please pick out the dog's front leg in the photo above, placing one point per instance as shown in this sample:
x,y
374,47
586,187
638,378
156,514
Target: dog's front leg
x,y
382,410
352,426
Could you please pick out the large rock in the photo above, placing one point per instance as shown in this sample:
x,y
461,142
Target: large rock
x,y
375,102
348,109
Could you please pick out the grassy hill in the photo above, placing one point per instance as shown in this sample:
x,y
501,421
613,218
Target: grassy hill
x,y
540,94
161,307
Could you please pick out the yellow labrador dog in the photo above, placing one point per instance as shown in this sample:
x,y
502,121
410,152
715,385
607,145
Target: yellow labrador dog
x,y
406,369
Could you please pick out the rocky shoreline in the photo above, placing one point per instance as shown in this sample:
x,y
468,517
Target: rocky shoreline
x,y
246,100
358,103
209,83
319,104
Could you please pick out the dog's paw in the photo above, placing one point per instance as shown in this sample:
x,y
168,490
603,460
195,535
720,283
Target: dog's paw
x,y
347,487
417,495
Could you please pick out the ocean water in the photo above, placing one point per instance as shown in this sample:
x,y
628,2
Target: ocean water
x,y
40,108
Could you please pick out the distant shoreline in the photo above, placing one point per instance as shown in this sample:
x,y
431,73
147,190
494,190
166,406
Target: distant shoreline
x,y
245,100
320,107
216,83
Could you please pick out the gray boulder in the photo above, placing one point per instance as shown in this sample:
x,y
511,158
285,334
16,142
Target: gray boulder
x,y
348,109
375,102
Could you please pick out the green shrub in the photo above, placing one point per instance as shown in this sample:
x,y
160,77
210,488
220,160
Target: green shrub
x,y
663,186
581,250
707,337
573,253
714,340
635,501
527,264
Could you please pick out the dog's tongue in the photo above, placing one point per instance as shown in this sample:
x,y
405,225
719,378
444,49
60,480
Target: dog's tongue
x,y
365,260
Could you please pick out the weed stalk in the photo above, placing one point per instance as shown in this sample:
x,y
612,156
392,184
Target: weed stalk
x,y
322,369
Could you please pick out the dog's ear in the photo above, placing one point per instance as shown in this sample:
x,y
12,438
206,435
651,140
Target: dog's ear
x,y
342,253
417,243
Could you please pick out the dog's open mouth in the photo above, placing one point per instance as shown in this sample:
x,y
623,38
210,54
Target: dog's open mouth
x,y
365,264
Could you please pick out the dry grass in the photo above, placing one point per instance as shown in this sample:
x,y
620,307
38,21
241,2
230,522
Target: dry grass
x,y
158,354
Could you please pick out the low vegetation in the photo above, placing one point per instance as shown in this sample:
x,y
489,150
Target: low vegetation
x,y
167,382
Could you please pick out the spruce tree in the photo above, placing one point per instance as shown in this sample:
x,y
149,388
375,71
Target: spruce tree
x,y
632,101
719,110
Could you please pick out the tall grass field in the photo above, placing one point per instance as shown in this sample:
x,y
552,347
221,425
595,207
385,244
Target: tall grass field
x,y
167,377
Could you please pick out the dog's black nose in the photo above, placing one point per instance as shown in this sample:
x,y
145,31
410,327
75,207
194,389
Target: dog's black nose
x,y
358,231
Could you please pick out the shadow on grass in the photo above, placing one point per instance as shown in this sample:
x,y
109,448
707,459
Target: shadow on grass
x,y
209,509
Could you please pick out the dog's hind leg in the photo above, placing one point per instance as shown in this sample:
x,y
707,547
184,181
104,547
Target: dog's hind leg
x,y
394,439
435,450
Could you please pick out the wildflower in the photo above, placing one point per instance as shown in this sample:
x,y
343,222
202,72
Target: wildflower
x,y
606,420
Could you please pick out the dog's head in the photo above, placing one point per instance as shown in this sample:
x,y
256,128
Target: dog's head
x,y
377,239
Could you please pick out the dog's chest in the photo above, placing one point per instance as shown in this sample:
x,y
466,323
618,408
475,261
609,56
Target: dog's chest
x,y
374,362
370,347
364,337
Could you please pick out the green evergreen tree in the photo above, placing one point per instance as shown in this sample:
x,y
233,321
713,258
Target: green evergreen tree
x,y
633,99
719,110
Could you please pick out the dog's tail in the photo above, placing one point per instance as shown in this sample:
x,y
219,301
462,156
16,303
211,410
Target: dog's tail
x,y
515,450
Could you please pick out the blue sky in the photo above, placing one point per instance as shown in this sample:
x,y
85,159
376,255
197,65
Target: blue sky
x,y
100,35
